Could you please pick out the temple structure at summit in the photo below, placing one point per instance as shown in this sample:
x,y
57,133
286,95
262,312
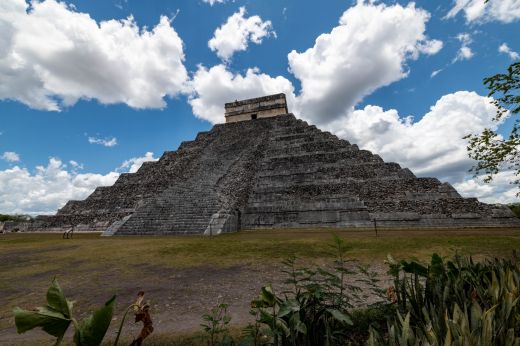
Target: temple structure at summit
x,y
258,108
264,168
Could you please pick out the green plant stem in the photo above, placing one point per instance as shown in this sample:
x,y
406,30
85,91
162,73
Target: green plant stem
x,y
122,322
274,325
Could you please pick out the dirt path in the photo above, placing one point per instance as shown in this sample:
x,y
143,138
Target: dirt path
x,y
179,297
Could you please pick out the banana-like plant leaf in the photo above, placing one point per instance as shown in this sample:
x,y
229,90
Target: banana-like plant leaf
x,y
92,330
51,321
57,301
54,318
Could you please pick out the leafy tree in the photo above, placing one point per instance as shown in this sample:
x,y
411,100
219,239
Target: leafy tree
x,y
15,217
515,208
492,152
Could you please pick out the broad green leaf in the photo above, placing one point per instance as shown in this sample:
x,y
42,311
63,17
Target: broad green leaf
x,y
267,295
281,326
373,339
436,266
406,327
92,330
57,301
52,322
414,268
290,305
341,317
265,317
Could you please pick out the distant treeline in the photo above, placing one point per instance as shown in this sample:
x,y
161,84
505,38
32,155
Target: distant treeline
x,y
516,209
15,217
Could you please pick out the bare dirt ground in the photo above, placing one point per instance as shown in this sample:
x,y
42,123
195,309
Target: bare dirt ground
x,y
178,297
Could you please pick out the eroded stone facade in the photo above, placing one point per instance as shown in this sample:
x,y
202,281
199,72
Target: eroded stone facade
x,y
276,172
257,108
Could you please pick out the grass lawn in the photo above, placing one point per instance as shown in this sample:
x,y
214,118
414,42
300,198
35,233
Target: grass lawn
x,y
184,275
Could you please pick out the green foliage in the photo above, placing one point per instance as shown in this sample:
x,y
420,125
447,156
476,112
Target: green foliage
x,y
216,325
454,302
56,316
252,334
374,316
315,310
91,330
492,152
515,208
16,217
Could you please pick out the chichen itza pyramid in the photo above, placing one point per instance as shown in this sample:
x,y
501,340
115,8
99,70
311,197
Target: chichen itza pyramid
x,y
264,168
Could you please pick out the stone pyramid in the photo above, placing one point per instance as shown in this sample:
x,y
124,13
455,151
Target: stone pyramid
x,y
264,168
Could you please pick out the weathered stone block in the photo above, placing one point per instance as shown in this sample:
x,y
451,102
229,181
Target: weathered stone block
x,y
318,217
466,216
396,216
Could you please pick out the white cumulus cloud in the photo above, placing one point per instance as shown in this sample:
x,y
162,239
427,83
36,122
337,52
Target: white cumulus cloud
x,y
235,34
505,11
106,142
431,47
504,48
49,187
216,85
500,190
10,156
367,50
51,56
464,52
75,165
213,2
132,165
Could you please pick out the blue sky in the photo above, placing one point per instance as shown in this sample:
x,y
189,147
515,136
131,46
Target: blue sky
x,y
81,102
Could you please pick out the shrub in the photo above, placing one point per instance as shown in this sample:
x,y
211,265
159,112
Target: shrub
x,y
315,308
374,316
15,217
216,325
515,208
